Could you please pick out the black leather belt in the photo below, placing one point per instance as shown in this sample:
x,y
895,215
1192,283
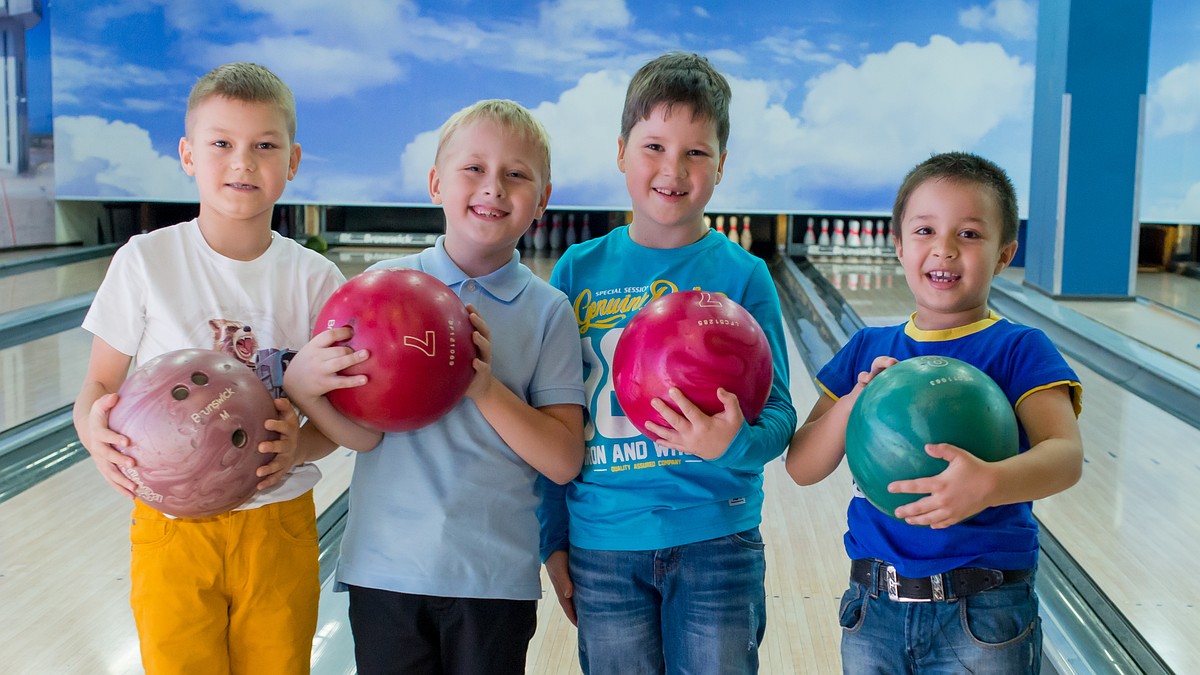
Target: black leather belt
x,y
882,578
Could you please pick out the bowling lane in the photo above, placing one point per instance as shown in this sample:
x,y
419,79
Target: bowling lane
x,y
42,375
1127,522
64,572
52,283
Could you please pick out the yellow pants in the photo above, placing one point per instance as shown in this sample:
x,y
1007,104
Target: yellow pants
x,y
228,595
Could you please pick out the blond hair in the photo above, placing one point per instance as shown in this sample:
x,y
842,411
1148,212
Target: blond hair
x,y
247,82
508,114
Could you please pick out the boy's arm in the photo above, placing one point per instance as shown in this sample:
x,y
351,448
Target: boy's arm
x,y
548,438
819,444
312,372
107,369
1053,463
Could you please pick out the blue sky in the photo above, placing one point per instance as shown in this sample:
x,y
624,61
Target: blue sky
x,y
833,100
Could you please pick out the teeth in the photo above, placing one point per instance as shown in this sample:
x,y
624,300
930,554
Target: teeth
x,y
670,193
942,276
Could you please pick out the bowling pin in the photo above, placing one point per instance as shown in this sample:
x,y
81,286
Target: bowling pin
x,y
854,240
707,222
839,232
556,232
585,232
852,281
747,237
823,240
810,237
868,232
837,280
721,225
541,235
865,281
571,235
891,238
733,230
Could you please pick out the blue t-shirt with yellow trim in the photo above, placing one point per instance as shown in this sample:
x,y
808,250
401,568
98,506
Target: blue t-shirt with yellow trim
x,y
1022,360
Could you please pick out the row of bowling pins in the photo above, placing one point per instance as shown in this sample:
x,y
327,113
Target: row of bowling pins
x,y
866,233
552,232
864,279
742,236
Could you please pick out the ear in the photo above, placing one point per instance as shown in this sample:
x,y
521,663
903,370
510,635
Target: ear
x,y
543,202
293,161
721,166
621,154
435,186
185,157
1006,257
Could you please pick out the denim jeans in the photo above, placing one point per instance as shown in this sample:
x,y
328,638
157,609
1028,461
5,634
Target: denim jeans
x,y
697,608
996,632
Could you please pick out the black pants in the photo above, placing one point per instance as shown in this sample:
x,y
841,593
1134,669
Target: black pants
x,y
409,634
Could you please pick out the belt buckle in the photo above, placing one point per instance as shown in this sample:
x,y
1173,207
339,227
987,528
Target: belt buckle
x,y
893,587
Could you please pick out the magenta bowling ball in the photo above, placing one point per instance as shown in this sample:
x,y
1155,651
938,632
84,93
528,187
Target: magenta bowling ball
x,y
194,418
696,341
419,336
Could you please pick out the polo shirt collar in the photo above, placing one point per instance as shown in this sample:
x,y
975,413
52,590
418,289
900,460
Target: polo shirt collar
x,y
505,284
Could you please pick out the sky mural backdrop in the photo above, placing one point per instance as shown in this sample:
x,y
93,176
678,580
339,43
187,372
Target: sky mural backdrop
x,y
833,99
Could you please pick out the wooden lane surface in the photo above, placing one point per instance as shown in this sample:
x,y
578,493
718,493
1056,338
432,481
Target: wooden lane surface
x,y
41,376
1130,521
64,573
52,283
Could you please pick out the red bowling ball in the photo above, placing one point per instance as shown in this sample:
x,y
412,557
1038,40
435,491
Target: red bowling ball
x,y
696,341
194,418
419,336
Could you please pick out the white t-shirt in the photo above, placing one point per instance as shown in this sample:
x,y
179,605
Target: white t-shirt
x,y
168,290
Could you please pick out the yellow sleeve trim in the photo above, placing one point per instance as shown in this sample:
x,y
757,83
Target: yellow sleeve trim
x,y
1074,389
824,389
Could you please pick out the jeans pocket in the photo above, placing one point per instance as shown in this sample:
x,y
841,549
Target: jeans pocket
x,y
1000,617
853,610
296,520
750,539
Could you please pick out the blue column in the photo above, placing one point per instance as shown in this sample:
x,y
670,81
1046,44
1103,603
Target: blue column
x,y
1088,113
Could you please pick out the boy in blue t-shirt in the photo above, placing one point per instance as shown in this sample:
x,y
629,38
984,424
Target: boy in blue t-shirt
x,y
440,553
664,565
948,584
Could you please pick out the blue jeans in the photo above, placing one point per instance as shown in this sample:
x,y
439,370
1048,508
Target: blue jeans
x,y
698,608
996,632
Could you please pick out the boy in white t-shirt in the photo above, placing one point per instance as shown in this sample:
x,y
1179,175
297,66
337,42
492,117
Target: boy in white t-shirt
x,y
235,592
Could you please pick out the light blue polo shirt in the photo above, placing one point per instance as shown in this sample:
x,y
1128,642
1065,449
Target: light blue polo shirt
x,y
450,510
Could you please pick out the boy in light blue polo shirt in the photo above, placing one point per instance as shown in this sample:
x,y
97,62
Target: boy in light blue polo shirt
x,y
440,553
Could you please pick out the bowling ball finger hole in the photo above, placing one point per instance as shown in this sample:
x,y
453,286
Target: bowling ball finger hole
x,y
240,438
179,393
199,378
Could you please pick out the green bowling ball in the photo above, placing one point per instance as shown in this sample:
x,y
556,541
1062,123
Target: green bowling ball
x,y
925,399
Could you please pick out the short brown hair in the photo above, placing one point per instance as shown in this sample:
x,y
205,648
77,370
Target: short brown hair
x,y
679,78
506,113
963,167
248,82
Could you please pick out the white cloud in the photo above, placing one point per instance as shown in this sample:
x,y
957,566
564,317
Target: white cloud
x,y
78,69
791,47
99,158
700,11
1014,18
1174,101
583,125
867,124
314,71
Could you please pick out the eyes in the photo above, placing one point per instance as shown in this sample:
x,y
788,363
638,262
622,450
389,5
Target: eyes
x,y
516,174
262,145
962,234
694,152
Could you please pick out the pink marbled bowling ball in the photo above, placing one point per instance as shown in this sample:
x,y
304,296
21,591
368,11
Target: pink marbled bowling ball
x,y
194,418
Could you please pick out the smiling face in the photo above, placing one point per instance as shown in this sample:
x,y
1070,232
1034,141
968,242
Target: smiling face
x,y
949,244
671,163
242,157
491,184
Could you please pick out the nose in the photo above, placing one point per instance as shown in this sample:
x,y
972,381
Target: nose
x,y
243,159
674,166
946,247
493,185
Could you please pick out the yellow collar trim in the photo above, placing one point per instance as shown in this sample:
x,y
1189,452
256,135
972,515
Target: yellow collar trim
x,y
911,330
